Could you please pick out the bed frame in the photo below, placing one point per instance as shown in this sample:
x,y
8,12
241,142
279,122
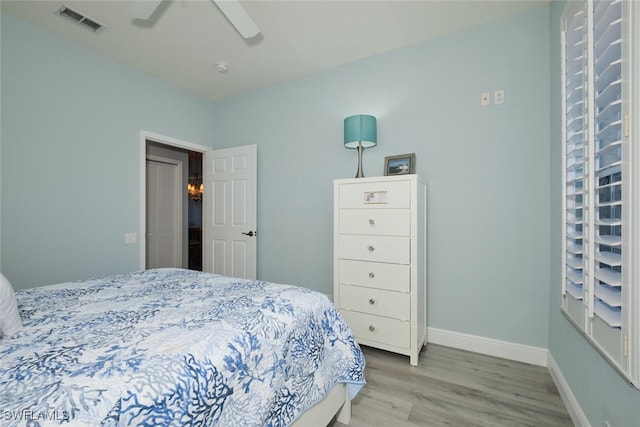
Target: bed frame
x,y
335,404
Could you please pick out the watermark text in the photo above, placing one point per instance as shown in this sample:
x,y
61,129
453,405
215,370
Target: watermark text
x,y
28,414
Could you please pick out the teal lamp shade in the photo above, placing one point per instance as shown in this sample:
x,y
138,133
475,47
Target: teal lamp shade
x,y
360,129
360,132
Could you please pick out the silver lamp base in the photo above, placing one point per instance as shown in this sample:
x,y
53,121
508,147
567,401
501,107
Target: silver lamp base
x,y
360,174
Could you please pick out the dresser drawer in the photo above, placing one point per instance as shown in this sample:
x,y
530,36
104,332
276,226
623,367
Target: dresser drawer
x,y
387,222
376,194
379,329
394,277
375,301
374,248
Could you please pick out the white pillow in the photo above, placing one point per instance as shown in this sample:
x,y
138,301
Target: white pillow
x,y
10,321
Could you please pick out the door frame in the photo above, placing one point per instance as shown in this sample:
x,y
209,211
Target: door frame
x,y
166,140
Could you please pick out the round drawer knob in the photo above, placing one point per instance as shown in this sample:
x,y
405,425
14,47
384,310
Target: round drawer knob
x,y
372,275
372,221
372,328
372,301
372,248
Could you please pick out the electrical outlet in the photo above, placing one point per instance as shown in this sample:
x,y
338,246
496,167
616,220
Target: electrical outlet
x,y
130,238
498,96
485,99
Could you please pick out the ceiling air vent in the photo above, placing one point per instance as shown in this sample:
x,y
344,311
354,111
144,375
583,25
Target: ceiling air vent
x,y
80,19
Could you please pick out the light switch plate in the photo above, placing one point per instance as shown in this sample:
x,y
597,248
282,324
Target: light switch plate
x,y
130,238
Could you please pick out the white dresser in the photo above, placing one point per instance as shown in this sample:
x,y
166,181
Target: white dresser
x,y
379,261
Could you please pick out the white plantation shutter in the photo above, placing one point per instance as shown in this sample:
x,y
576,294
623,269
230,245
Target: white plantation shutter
x,y
575,43
607,158
599,295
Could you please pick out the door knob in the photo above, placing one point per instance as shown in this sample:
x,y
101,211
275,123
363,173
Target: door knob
x,y
250,233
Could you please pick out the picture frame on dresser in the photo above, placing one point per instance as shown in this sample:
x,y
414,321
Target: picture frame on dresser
x,y
402,164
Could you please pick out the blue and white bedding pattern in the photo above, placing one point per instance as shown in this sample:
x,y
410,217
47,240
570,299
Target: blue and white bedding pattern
x,y
172,347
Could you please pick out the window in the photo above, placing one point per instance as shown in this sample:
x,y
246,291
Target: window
x,y
601,244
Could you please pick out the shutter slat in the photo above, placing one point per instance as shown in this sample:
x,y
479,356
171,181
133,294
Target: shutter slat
x,y
575,276
609,258
608,296
609,240
574,290
612,316
610,277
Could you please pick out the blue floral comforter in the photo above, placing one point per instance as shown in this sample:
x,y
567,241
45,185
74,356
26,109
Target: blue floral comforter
x,y
173,347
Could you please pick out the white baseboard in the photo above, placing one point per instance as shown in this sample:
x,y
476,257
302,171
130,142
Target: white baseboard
x,y
477,344
573,407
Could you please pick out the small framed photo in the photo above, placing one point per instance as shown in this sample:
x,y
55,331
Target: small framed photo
x,y
400,165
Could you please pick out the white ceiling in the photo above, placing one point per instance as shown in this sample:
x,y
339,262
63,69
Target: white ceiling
x,y
184,39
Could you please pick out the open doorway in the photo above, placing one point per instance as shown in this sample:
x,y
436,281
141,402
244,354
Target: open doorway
x,y
173,207
195,189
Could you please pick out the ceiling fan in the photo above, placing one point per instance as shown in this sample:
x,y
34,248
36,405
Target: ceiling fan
x,y
235,13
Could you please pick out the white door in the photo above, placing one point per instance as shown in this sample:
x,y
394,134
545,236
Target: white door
x,y
230,194
163,212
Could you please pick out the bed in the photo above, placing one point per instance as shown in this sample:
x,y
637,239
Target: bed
x,y
177,347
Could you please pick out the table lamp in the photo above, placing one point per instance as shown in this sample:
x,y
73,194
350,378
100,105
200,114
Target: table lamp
x,y
360,132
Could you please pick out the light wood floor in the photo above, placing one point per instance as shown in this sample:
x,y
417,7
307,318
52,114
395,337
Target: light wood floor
x,y
455,388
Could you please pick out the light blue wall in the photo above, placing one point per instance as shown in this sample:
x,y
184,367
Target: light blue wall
x,y
602,394
0,139
487,168
71,154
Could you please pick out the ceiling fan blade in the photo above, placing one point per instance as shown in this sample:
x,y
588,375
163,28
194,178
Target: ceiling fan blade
x,y
143,9
238,17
